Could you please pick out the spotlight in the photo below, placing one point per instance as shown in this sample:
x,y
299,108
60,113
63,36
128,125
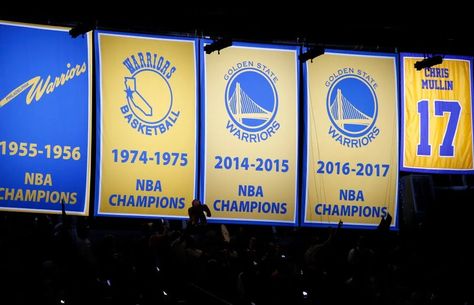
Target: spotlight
x,y
81,29
428,62
311,53
218,45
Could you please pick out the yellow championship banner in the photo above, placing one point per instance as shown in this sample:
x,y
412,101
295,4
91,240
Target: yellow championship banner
x,y
351,152
146,110
437,114
249,134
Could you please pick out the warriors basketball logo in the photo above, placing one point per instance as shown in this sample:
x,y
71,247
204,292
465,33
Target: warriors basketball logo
x,y
148,94
352,108
251,101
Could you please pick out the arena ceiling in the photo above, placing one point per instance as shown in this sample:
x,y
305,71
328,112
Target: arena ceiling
x,y
429,30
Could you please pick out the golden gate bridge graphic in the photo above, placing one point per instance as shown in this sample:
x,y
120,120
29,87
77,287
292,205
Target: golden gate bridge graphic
x,y
343,112
243,107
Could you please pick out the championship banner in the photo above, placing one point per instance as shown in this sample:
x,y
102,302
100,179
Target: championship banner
x,y
45,119
437,116
351,150
249,134
146,140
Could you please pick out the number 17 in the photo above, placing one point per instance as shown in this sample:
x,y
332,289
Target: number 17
x,y
446,148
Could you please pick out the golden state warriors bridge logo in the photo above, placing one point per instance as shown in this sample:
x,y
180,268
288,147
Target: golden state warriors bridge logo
x,y
352,107
251,101
148,93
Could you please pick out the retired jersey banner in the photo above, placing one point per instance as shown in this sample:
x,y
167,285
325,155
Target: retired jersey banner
x,y
437,116
146,141
249,114
351,149
45,119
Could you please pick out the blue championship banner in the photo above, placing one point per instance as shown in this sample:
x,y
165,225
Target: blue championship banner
x,y
437,116
45,119
351,148
146,138
249,135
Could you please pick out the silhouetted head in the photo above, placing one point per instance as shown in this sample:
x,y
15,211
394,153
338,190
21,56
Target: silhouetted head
x,y
196,202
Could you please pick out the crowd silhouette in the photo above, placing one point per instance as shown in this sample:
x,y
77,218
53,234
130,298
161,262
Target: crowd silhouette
x,y
61,259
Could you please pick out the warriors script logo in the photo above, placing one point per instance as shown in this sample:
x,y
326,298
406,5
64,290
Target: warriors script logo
x,y
251,101
149,108
352,107
39,86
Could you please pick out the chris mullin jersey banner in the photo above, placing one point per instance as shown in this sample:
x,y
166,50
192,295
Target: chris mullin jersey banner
x,y
45,119
250,134
351,157
147,125
437,116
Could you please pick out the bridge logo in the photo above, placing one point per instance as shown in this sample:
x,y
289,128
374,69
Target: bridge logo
x,y
352,106
251,100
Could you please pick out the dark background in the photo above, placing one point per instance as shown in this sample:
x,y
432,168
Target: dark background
x,y
429,261
382,26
